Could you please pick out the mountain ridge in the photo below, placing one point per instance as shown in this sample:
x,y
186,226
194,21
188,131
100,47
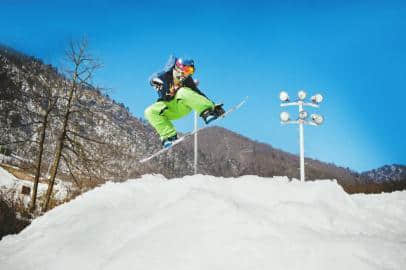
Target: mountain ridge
x,y
130,138
393,172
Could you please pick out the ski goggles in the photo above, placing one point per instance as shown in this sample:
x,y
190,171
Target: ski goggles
x,y
185,70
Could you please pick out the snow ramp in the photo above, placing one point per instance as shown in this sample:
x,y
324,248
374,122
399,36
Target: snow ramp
x,y
206,222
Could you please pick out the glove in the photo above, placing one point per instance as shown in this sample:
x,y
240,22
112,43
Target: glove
x,y
157,83
218,109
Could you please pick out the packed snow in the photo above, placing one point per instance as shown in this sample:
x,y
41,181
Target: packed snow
x,y
206,222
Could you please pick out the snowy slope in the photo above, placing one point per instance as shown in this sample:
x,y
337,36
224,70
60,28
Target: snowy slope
x,y
204,222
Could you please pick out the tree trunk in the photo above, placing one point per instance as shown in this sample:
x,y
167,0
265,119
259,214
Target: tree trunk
x,y
54,171
39,161
58,151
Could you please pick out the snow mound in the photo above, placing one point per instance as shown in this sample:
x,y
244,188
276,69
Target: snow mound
x,y
205,222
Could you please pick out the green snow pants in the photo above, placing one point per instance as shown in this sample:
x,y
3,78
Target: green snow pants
x,y
161,113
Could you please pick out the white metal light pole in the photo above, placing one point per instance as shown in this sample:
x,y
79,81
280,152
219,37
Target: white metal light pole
x,y
196,127
316,119
301,142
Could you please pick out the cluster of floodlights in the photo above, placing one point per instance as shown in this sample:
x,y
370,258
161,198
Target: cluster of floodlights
x,y
316,119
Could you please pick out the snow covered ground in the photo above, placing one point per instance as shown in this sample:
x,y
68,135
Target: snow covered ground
x,y
7,180
10,185
204,222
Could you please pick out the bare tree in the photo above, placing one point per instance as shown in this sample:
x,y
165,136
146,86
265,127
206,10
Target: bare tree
x,y
47,101
83,66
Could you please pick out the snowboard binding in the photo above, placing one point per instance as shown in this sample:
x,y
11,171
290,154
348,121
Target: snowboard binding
x,y
169,141
210,115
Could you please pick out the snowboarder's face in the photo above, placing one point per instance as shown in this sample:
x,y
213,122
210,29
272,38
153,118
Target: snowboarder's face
x,y
181,73
178,75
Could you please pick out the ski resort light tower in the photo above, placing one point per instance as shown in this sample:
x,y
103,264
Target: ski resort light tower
x,y
316,119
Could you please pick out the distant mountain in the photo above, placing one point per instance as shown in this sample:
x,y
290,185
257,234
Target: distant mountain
x,y
387,173
126,138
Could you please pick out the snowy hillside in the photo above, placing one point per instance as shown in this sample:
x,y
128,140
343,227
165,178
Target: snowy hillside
x,y
10,185
204,222
387,173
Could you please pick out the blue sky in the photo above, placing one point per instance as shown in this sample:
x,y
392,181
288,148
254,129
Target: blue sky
x,y
352,52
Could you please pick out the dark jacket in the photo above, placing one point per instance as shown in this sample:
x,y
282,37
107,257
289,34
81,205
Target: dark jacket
x,y
167,77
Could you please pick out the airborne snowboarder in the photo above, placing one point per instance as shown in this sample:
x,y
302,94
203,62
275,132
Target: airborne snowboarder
x,y
178,96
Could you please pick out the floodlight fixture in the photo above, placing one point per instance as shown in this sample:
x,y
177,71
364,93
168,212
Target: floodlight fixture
x,y
317,119
283,96
317,98
284,116
303,115
301,95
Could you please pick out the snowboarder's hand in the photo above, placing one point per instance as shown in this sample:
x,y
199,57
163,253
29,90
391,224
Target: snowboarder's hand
x,y
218,109
157,83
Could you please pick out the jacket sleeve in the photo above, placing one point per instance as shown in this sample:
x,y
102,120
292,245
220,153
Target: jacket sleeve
x,y
154,75
163,76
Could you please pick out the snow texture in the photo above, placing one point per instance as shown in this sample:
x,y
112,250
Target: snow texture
x,y
10,183
206,222
6,179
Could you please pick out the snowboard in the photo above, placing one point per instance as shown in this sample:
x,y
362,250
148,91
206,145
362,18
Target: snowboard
x,y
189,134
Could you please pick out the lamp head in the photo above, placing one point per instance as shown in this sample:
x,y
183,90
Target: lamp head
x,y
317,119
317,98
303,115
284,116
301,94
283,96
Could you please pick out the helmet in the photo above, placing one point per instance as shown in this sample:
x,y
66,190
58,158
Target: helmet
x,y
185,66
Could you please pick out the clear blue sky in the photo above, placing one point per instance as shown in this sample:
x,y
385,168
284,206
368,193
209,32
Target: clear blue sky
x,y
353,52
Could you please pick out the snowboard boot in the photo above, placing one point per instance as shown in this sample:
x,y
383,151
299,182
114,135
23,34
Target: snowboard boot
x,y
210,115
168,141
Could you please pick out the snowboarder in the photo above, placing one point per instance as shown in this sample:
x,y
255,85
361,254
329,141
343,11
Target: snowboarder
x,y
178,95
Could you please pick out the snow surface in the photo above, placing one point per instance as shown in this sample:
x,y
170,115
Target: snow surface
x,y
205,222
12,185
6,179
